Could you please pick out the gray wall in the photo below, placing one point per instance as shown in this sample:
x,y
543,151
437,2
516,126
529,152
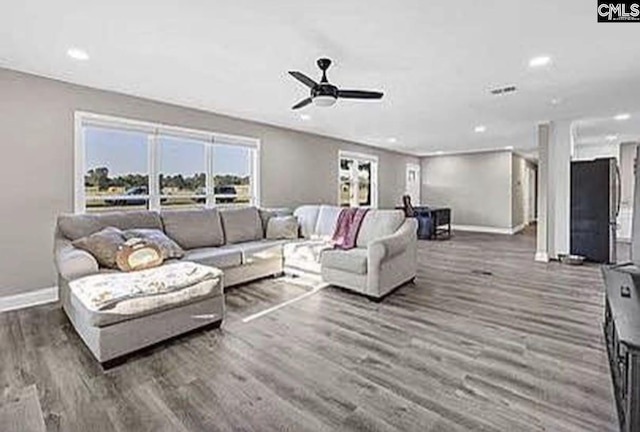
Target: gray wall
x,y
477,187
36,170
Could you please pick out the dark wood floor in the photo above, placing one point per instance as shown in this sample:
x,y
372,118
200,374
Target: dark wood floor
x,y
486,340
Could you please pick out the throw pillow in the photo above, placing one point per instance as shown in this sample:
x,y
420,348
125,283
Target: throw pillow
x,y
168,248
103,245
138,254
282,227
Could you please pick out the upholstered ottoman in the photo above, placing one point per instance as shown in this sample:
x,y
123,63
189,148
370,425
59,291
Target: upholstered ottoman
x,y
119,313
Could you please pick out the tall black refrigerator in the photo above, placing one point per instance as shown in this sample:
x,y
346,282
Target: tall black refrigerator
x,y
595,203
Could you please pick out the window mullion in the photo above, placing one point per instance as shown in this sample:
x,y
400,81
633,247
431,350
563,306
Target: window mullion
x,y
154,168
253,185
355,181
209,179
373,184
79,203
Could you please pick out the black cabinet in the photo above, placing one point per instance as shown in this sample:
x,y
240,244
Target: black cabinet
x,y
622,336
594,209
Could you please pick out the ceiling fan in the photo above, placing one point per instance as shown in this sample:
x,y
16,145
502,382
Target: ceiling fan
x,y
325,94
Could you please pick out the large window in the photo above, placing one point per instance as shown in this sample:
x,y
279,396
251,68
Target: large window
x,y
116,172
357,180
183,172
232,168
124,165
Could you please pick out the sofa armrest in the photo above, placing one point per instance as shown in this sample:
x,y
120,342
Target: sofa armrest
x,y
383,248
71,262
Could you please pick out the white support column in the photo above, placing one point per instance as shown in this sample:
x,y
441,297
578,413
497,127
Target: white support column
x,y
555,144
542,244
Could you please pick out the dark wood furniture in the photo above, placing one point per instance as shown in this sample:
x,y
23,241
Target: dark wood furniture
x,y
622,337
433,222
441,221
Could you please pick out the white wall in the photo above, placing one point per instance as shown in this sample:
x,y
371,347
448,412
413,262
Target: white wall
x,y
523,191
627,186
477,187
36,170
594,151
519,181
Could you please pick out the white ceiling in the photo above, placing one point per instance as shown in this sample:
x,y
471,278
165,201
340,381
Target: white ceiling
x,y
596,131
435,61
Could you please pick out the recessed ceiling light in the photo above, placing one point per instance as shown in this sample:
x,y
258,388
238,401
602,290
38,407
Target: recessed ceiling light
x,y
480,129
539,61
556,101
508,148
623,116
439,152
393,140
611,137
77,54
305,117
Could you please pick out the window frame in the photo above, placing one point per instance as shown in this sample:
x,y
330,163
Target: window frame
x,y
154,131
373,180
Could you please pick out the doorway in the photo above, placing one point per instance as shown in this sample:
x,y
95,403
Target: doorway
x,y
357,180
412,183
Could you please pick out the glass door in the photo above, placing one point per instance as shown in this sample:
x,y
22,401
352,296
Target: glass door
x,y
357,180
412,186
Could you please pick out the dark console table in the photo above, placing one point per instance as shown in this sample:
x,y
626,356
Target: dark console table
x,y
434,222
622,336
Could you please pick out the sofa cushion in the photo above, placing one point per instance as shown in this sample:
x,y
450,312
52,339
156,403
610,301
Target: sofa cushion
x,y
219,257
305,250
258,250
103,245
307,218
304,255
169,248
352,260
75,226
267,213
242,224
379,223
282,227
194,228
73,262
91,296
139,307
327,220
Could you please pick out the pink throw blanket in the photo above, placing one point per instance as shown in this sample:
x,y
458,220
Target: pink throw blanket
x,y
347,227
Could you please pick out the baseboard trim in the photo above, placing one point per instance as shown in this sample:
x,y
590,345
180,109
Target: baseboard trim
x,y
28,299
542,256
488,230
517,229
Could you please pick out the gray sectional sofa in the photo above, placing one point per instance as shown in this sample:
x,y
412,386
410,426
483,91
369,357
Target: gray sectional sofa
x,y
232,240
384,259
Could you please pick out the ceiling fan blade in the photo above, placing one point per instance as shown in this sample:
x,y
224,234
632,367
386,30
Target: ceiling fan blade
x,y
303,79
302,103
359,94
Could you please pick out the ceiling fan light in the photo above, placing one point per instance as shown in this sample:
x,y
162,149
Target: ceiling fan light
x,y
324,100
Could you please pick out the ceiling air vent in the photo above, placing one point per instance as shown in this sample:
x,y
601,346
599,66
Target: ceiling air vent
x,y
503,90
